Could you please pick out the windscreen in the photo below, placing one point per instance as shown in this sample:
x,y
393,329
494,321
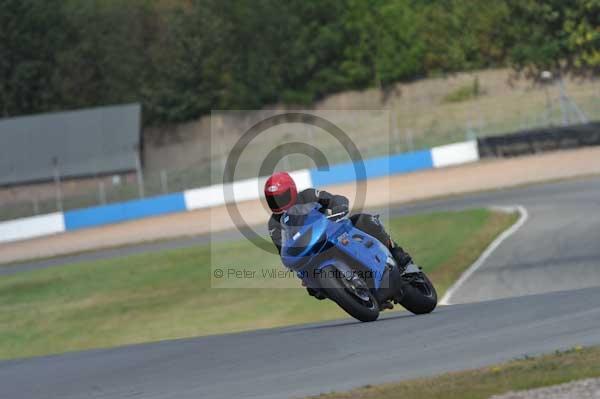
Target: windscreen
x,y
297,215
297,232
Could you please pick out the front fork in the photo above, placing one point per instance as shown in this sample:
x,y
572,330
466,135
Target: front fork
x,y
394,281
411,268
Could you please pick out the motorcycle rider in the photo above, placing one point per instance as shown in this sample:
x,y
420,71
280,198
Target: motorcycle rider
x,y
281,194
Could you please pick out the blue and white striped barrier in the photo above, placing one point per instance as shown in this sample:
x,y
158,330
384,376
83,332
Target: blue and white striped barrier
x,y
374,167
124,211
243,190
34,226
206,197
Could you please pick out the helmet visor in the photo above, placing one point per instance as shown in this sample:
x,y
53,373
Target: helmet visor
x,y
279,201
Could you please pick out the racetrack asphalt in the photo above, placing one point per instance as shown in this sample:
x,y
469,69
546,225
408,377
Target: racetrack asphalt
x,y
311,359
556,249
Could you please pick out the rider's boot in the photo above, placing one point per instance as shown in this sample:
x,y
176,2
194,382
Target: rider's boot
x,y
314,293
402,257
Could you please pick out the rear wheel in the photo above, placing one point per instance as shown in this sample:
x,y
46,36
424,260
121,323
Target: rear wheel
x,y
419,296
351,294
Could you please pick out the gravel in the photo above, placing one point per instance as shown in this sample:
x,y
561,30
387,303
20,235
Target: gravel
x,y
583,389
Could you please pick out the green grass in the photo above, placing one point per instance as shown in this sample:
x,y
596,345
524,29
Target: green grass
x,y
167,295
528,373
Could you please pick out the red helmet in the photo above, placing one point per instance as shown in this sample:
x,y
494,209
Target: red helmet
x,y
280,191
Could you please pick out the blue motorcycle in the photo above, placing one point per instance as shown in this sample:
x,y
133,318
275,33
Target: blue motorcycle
x,y
337,261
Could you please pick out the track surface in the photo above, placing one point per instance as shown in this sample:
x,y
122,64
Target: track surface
x,y
555,250
310,359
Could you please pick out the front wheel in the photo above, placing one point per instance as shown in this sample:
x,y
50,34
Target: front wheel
x,y
419,296
351,294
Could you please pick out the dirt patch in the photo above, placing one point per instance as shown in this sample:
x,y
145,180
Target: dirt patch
x,y
485,175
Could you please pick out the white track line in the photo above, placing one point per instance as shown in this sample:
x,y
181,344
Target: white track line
x,y
488,251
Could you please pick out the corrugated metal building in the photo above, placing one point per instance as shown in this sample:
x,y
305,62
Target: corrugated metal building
x,y
87,142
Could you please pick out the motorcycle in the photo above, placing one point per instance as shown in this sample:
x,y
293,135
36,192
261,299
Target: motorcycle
x,y
339,262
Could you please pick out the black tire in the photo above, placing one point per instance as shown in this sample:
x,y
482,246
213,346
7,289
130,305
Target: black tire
x,y
336,290
420,296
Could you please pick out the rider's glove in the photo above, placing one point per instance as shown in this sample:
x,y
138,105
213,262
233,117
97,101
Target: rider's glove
x,y
342,210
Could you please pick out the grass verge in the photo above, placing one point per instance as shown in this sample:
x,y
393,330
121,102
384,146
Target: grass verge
x,y
528,373
167,295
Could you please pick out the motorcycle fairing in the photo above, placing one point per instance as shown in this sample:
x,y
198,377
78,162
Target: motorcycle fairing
x,y
307,231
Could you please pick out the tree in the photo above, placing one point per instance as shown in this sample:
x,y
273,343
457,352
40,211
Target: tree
x,y
32,35
383,46
582,26
555,35
463,34
313,51
182,58
108,58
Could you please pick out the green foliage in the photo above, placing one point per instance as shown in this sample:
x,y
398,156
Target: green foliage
x,y
29,43
555,35
583,30
182,58
463,34
108,60
384,46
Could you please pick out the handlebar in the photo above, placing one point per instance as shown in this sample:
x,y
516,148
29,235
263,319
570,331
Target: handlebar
x,y
342,214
